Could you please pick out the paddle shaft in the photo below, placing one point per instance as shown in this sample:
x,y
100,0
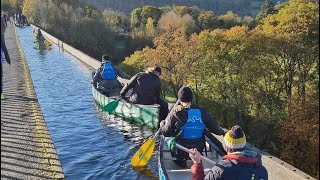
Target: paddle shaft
x,y
171,111
141,155
201,157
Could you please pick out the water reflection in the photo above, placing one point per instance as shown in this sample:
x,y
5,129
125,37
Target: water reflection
x,y
136,133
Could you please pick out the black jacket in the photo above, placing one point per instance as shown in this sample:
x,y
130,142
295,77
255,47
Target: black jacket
x,y
233,170
171,127
4,48
146,88
233,167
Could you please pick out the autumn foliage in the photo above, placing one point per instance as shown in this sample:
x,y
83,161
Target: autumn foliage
x,y
265,79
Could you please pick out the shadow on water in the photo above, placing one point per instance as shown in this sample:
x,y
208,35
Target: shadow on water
x,y
136,133
145,172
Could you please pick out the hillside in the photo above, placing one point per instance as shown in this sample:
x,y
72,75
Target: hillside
x,y
241,7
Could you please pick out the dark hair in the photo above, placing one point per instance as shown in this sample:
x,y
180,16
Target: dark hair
x,y
105,57
157,69
154,69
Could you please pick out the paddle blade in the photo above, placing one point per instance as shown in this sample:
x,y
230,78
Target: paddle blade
x,y
111,107
142,156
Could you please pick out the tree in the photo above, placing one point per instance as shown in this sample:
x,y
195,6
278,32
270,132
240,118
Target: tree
x,y
296,25
136,17
184,10
299,137
115,20
150,11
172,21
248,21
150,29
267,8
230,20
13,6
207,20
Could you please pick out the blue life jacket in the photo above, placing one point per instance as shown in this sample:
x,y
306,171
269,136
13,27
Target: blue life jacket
x,y
194,128
108,73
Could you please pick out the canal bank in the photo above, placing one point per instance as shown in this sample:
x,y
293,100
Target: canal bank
x,y
27,151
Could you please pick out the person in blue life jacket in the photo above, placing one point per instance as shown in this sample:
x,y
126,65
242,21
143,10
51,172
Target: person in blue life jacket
x,y
4,53
240,162
107,76
187,125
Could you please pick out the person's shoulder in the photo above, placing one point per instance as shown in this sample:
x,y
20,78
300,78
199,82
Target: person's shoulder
x,y
140,74
195,106
179,108
222,167
225,164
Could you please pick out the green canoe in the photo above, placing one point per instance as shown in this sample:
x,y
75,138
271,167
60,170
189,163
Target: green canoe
x,y
39,46
169,170
144,114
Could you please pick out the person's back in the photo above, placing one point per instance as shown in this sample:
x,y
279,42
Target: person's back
x,y
188,125
40,38
105,79
108,80
237,170
145,87
146,90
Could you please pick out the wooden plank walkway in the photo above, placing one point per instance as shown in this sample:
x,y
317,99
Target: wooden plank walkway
x,y
27,151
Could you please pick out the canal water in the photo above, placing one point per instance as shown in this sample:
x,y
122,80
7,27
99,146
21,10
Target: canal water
x,y
90,144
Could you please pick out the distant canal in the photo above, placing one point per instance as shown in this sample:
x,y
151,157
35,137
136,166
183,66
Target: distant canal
x,y
90,144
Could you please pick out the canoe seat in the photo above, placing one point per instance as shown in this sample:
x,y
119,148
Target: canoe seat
x,y
206,170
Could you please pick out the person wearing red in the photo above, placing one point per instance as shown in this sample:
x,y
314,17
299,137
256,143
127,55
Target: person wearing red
x,y
239,163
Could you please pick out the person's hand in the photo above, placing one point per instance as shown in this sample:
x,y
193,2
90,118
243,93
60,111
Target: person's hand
x,y
195,156
91,82
162,123
225,131
171,143
122,95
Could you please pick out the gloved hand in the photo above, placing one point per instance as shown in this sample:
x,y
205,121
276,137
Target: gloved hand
x,y
162,123
171,143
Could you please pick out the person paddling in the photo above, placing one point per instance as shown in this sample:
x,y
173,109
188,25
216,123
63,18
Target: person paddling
x,y
187,126
146,87
105,78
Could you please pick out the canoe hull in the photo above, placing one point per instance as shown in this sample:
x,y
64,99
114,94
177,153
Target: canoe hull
x,y
143,114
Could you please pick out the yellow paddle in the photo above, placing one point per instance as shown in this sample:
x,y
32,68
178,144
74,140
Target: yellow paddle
x,y
142,156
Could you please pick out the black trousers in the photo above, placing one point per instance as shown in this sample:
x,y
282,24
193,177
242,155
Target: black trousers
x,y
1,78
164,111
189,144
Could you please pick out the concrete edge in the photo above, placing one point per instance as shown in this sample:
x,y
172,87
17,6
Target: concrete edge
x,y
42,132
94,63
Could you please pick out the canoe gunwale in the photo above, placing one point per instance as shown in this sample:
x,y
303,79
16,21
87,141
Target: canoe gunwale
x,y
161,163
154,121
